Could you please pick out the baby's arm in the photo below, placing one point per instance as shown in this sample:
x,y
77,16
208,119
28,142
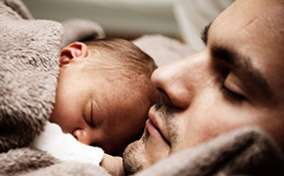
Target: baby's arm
x,y
65,147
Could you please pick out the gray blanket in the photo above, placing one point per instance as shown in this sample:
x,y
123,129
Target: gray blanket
x,y
29,53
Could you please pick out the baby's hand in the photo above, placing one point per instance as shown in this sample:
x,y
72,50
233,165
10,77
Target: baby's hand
x,y
65,147
113,164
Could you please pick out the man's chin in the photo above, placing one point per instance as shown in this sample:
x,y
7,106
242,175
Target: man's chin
x,y
133,157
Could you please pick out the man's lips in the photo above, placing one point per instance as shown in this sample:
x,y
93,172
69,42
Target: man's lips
x,y
154,130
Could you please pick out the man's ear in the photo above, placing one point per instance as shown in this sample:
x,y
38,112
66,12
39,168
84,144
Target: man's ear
x,y
74,50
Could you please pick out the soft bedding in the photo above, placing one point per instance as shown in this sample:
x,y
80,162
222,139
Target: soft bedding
x,y
29,52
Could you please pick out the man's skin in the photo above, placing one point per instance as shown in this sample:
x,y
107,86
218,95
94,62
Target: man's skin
x,y
236,81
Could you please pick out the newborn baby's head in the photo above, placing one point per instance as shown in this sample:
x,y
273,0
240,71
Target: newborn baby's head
x,y
104,92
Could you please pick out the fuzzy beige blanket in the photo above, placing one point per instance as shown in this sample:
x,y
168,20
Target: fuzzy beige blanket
x,y
29,66
29,52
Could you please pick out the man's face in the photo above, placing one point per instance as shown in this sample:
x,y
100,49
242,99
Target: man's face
x,y
98,111
236,81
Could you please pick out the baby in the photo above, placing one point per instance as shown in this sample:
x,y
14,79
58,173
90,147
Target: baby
x,y
102,99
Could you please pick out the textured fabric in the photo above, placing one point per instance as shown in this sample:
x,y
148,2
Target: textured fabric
x,y
29,51
162,49
81,30
65,147
29,66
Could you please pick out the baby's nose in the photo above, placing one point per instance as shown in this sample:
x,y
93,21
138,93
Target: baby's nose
x,y
82,136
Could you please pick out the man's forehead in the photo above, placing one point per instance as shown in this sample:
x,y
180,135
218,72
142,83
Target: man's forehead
x,y
254,33
243,12
259,22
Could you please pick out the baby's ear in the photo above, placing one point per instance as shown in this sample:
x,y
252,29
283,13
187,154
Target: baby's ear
x,y
74,50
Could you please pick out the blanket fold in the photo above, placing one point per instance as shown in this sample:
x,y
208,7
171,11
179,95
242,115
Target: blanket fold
x,y
29,67
29,51
18,7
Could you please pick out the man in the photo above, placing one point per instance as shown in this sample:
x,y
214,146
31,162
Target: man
x,y
235,82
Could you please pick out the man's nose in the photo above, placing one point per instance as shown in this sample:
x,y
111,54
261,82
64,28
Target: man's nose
x,y
179,80
82,136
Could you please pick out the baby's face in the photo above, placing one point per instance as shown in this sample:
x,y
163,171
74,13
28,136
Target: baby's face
x,y
98,112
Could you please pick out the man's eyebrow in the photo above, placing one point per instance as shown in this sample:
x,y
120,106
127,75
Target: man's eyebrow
x,y
204,33
239,61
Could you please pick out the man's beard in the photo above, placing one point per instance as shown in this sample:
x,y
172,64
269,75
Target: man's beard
x,y
133,155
